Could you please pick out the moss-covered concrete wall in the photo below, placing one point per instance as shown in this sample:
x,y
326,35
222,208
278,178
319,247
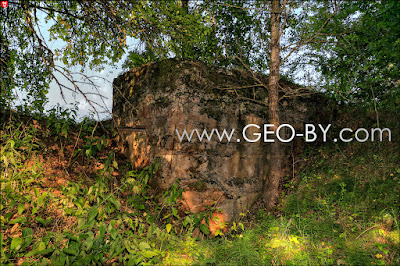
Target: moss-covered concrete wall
x,y
162,97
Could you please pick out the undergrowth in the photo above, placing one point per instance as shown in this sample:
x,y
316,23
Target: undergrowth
x,y
68,197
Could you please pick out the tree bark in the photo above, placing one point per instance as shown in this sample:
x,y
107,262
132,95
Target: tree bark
x,y
271,184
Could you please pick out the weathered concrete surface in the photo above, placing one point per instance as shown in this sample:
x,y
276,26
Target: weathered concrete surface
x,y
160,98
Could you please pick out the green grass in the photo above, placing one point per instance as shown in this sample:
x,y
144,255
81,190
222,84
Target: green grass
x,y
344,209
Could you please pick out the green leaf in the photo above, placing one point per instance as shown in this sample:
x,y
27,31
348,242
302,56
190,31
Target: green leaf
x,y
102,231
70,251
21,208
241,226
45,251
120,248
149,254
27,232
38,247
41,221
130,180
72,237
30,253
35,209
130,247
89,241
36,190
27,241
113,233
175,212
92,213
76,152
187,221
16,243
59,258
144,246
204,229
17,220
41,246
115,202
73,248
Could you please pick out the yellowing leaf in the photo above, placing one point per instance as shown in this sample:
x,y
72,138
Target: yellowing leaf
x,y
135,189
218,233
294,239
169,227
276,243
5,160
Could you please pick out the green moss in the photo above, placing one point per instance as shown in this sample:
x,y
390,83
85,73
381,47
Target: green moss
x,y
213,109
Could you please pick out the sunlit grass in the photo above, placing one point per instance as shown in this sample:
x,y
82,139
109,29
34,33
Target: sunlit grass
x,y
343,211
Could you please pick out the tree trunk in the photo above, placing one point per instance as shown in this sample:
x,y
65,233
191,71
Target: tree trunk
x,y
271,184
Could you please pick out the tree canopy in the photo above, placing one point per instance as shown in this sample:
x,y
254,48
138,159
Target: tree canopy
x,y
350,48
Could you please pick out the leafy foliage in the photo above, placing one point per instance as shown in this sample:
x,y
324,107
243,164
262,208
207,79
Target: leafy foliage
x,y
354,46
97,220
95,34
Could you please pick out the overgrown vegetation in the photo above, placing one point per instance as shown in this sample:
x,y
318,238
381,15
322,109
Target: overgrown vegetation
x,y
69,198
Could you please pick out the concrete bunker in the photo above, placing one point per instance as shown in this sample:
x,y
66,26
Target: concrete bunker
x,y
152,102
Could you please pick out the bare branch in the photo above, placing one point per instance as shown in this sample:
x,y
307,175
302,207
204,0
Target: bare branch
x,y
286,15
243,87
43,8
